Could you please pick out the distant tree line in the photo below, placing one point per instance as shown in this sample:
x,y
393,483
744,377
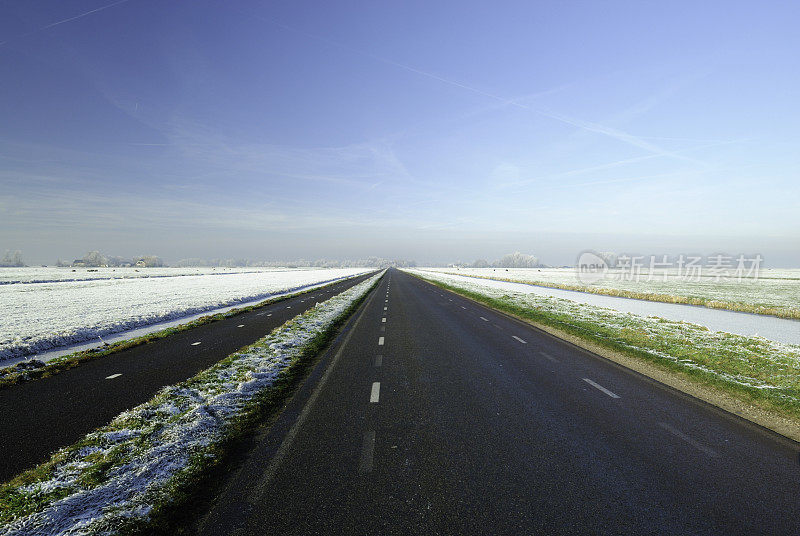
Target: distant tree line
x,y
12,259
95,259
376,262
512,260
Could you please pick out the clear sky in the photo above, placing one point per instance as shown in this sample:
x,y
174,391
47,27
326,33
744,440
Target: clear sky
x,y
428,130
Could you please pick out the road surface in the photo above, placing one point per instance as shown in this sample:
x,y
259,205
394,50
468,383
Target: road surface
x,y
432,414
41,416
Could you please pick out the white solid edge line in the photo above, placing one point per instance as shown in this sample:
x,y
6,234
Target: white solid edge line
x,y
375,394
380,341
601,388
677,433
113,376
520,340
269,472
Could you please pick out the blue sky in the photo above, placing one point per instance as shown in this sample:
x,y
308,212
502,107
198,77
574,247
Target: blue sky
x,y
428,130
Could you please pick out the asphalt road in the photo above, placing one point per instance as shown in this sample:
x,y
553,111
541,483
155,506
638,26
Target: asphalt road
x,y
39,417
450,418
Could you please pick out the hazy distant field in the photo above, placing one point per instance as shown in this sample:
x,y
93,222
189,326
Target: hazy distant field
x,y
53,274
775,292
41,316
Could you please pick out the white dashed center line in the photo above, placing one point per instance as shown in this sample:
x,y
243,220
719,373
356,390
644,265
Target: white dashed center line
x,y
379,360
240,326
375,394
383,319
601,388
367,450
380,341
113,376
485,319
195,343
677,433
385,308
520,340
548,356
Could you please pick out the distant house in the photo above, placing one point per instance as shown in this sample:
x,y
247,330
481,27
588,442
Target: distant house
x,y
141,264
78,263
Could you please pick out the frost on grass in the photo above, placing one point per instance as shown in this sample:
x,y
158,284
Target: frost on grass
x,y
120,471
751,362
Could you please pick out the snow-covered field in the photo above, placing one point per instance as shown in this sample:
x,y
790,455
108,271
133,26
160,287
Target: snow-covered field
x,y
54,274
774,289
118,474
41,316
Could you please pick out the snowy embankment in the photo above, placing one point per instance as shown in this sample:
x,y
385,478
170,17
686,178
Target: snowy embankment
x,y
117,475
757,366
43,316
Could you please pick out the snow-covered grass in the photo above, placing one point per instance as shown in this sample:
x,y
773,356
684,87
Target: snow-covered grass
x,y
775,292
42,316
52,274
761,369
122,474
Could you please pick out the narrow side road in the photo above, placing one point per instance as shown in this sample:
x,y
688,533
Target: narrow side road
x,y
436,415
39,417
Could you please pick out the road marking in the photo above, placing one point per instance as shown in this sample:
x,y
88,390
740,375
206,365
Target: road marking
x,y
375,394
269,314
367,452
240,326
601,388
113,376
387,301
463,307
520,340
302,301
485,319
498,326
385,308
677,433
288,306
195,343
261,314
380,341
379,360
548,356
383,319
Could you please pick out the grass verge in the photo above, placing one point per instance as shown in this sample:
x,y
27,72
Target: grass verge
x,y
25,371
134,474
750,376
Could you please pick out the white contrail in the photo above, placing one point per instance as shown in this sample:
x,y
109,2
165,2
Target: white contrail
x,y
66,20
584,125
